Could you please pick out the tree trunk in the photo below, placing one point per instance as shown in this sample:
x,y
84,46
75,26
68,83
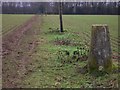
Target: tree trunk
x,y
100,51
60,15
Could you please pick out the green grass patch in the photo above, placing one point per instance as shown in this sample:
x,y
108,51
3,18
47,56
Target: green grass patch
x,y
49,72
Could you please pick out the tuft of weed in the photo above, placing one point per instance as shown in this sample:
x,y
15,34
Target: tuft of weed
x,y
55,31
62,41
80,54
67,41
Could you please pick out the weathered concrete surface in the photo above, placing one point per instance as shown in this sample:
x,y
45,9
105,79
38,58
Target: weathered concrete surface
x,y
100,50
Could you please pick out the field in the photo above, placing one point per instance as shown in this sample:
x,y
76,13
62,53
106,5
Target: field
x,y
31,45
13,22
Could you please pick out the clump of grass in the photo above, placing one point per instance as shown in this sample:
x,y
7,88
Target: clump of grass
x,y
55,31
67,41
80,54
62,41
115,68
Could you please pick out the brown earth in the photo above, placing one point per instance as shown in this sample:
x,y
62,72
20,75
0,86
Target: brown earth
x,y
14,59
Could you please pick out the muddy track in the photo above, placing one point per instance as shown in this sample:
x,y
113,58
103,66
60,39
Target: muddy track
x,y
13,38
11,42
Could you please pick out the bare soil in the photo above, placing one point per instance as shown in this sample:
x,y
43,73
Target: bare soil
x,y
14,59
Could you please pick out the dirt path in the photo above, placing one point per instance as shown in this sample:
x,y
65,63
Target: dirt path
x,y
13,69
14,37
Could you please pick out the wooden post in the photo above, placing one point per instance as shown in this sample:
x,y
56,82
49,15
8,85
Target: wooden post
x,y
100,50
60,15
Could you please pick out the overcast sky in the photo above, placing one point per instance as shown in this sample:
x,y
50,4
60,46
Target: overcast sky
x,y
59,0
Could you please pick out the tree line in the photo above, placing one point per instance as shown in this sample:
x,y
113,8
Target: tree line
x,y
104,8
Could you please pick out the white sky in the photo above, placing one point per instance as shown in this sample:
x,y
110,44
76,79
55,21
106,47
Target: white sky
x,y
59,0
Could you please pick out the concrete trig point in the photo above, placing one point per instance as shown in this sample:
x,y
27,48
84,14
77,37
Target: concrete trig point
x,y
100,50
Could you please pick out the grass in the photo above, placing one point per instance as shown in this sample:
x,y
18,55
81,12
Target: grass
x,y
48,71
